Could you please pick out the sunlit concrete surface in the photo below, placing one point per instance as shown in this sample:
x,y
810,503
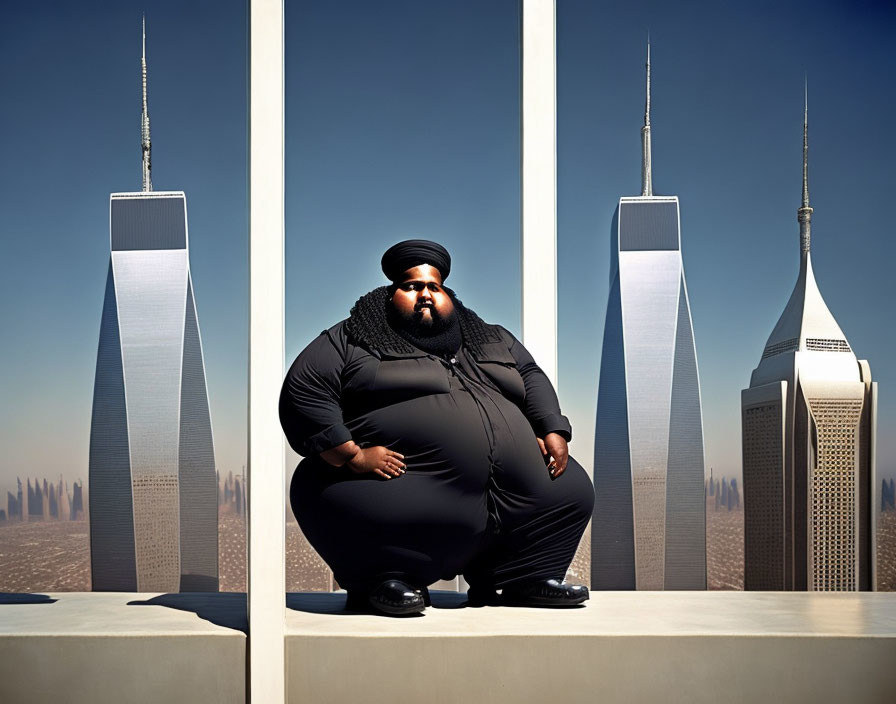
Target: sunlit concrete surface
x,y
620,647
122,647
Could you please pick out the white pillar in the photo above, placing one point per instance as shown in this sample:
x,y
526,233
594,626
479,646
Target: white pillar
x,y
267,524
539,183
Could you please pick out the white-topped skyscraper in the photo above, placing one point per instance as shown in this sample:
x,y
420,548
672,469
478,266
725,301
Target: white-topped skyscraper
x,y
153,488
648,528
808,422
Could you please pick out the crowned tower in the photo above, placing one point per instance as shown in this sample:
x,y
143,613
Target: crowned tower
x,y
153,493
648,529
808,422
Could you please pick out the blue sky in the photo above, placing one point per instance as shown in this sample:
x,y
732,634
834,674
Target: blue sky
x,y
403,121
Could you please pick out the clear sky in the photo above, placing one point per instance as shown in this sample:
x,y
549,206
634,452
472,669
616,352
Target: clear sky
x,y
403,121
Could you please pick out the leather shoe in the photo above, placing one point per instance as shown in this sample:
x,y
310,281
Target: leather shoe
x,y
392,597
546,592
424,592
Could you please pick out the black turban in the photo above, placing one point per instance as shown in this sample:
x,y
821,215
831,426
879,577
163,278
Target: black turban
x,y
410,253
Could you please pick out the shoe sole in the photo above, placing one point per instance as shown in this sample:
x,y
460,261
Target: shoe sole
x,y
365,606
396,610
545,601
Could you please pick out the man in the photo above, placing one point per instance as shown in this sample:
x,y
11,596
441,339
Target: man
x,y
434,447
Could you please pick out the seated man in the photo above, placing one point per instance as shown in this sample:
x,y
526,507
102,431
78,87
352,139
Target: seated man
x,y
426,433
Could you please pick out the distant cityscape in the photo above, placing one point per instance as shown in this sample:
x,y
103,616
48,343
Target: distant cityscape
x,y
46,551
46,554
44,501
724,493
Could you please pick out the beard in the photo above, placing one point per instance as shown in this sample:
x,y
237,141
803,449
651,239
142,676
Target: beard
x,y
418,324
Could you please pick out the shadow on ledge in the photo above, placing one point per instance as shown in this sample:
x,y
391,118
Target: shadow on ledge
x,y
334,602
10,598
226,609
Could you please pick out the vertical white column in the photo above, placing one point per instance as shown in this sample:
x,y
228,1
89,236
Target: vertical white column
x,y
539,183
267,524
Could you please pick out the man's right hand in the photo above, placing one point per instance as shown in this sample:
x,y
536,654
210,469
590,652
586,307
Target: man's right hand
x,y
379,460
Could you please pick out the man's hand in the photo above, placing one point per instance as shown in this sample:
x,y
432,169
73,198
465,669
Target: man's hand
x,y
556,453
379,460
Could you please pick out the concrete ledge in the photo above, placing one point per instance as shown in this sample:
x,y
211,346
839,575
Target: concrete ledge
x,y
620,647
119,647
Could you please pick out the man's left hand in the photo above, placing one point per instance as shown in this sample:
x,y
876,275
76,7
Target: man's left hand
x,y
554,446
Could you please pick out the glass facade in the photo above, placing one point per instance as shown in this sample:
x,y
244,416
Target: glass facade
x,y
763,480
648,530
150,356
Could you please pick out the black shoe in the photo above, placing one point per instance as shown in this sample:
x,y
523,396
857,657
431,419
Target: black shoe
x,y
392,597
427,600
547,592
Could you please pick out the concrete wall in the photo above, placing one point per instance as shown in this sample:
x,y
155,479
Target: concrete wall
x,y
620,647
122,647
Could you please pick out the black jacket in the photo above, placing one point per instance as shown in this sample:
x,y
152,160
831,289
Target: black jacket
x,y
338,380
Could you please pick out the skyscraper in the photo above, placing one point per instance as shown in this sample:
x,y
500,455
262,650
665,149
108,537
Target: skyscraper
x,y
23,512
648,529
808,422
153,492
77,500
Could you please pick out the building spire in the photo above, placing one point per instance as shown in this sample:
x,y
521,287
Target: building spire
x,y
646,174
146,145
804,214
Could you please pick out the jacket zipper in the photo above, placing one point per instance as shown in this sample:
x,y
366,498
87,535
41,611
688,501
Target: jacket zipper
x,y
490,434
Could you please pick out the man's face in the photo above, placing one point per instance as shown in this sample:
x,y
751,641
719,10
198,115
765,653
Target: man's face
x,y
420,301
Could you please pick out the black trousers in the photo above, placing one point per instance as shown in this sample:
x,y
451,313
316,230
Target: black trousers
x,y
479,503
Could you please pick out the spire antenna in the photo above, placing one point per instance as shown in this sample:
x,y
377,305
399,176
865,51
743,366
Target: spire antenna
x,y
146,144
646,171
804,213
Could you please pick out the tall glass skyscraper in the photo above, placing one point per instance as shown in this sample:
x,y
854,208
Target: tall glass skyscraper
x,y
153,488
808,422
648,528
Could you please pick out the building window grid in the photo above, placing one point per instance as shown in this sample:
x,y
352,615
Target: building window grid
x,y
833,494
763,483
156,499
821,344
790,345
813,344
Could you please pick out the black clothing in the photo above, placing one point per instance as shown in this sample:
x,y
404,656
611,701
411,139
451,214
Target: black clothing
x,y
476,498
410,253
443,341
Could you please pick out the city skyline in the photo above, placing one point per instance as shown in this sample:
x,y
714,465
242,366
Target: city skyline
x,y
648,527
431,148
